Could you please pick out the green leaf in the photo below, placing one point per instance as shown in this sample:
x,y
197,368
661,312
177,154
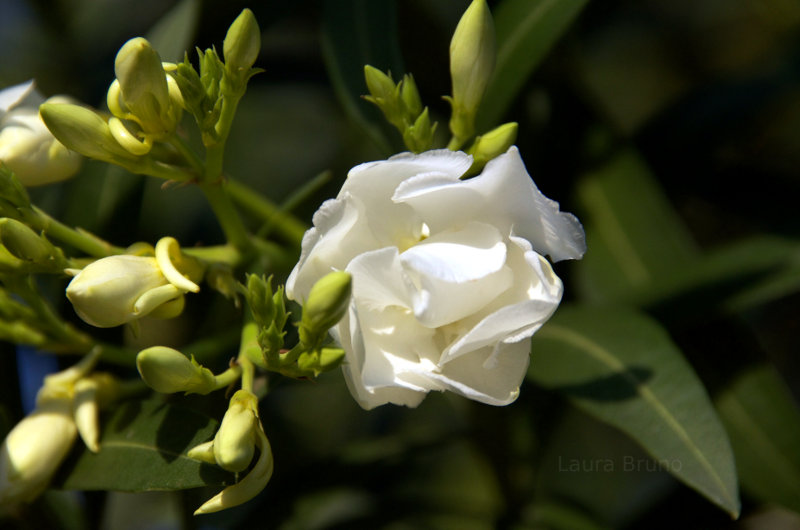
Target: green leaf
x,y
173,34
633,234
763,422
143,447
526,30
622,368
356,33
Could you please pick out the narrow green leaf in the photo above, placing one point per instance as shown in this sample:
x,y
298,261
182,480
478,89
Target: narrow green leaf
x,y
173,33
143,447
634,235
526,30
356,33
763,422
622,368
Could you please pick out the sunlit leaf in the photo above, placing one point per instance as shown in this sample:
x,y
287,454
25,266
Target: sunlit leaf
x,y
622,368
763,421
526,30
143,447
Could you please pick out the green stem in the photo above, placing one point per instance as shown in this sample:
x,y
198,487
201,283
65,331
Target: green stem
x,y
187,152
228,217
291,228
248,373
78,238
228,377
226,254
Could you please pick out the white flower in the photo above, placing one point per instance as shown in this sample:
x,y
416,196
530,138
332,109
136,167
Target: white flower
x,y
26,145
449,278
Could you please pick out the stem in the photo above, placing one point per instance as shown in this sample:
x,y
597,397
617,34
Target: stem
x,y
248,373
226,254
291,228
228,377
78,238
296,199
228,217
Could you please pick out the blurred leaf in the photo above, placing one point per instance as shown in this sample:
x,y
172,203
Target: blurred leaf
x,y
555,515
763,421
622,368
356,33
173,34
633,234
526,30
143,447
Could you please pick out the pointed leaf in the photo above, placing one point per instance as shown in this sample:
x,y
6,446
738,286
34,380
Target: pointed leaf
x,y
143,447
526,30
356,33
622,368
763,421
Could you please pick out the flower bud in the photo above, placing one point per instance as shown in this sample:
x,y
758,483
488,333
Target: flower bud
x,y
84,131
167,370
33,450
29,149
234,444
249,486
384,93
492,144
12,192
143,86
409,93
119,289
23,243
419,136
472,58
86,412
242,44
326,304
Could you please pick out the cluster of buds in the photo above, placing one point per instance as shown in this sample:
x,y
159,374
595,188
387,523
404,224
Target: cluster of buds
x,y
327,302
66,406
120,289
233,449
402,107
26,145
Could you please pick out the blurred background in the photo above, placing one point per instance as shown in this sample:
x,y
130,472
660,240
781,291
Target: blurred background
x,y
675,122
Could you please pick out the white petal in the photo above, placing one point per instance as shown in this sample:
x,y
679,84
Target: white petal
x,y
516,314
12,96
504,196
455,273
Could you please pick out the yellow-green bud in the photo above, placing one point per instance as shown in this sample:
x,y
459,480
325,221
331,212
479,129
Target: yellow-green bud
x,y
242,43
419,136
472,59
11,191
83,131
234,444
143,84
119,289
23,243
167,370
33,450
493,143
385,94
409,93
85,412
326,304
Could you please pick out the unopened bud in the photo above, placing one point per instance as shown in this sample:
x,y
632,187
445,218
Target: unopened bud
x,y
492,144
83,131
419,136
234,444
326,305
242,44
143,84
12,192
409,93
167,370
25,244
472,59
85,412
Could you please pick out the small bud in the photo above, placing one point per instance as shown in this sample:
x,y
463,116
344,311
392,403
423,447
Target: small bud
x,y
34,449
251,485
234,444
410,95
419,137
119,289
326,304
492,144
242,44
472,58
25,244
12,192
86,413
83,131
143,85
167,370
259,298
385,94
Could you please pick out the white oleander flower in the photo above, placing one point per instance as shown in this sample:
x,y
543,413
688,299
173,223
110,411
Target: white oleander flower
x,y
26,145
449,278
